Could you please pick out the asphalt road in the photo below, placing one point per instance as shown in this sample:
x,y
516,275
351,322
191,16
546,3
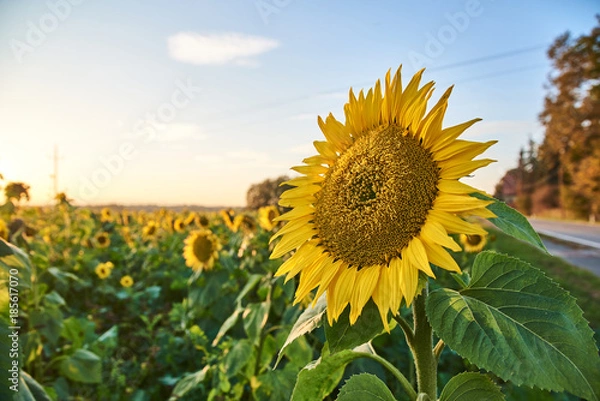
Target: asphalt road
x,y
577,243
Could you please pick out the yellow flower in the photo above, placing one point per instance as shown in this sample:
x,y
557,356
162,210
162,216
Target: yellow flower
x,y
149,231
3,230
374,208
201,249
245,223
190,219
103,240
106,215
103,270
473,243
267,216
124,217
126,281
228,217
179,225
202,221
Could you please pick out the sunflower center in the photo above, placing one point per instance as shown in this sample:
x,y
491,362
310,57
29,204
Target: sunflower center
x,y
202,248
376,197
474,239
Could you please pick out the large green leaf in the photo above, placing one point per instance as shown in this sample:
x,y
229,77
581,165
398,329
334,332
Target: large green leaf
x,y
471,386
309,320
365,387
516,322
320,377
227,325
83,366
512,222
13,259
342,335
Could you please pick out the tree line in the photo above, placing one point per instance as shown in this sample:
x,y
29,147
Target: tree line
x,y
560,176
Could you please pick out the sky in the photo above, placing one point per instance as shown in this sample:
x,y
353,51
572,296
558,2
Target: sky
x,y
191,102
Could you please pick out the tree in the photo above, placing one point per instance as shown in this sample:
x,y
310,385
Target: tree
x,y
571,117
16,191
266,193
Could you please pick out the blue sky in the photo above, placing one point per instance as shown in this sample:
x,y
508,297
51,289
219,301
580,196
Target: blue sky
x,y
191,102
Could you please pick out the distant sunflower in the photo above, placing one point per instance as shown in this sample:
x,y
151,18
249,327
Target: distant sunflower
x,y
245,223
202,221
228,217
126,281
150,230
473,243
124,218
103,270
374,208
201,249
103,240
191,219
106,215
267,216
179,225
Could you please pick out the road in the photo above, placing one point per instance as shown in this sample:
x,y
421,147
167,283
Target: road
x,y
577,243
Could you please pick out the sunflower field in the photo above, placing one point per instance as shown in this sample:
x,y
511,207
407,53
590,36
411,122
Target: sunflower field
x,y
374,279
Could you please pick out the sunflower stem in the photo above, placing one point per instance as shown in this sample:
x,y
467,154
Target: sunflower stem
x,y
422,349
437,350
410,391
406,328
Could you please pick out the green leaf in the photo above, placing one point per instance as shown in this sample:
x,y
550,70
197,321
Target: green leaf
x,y
342,335
516,322
49,322
512,222
238,357
276,385
36,389
106,342
14,259
83,366
79,331
255,317
307,322
320,377
365,387
471,386
251,283
227,325
188,383
54,299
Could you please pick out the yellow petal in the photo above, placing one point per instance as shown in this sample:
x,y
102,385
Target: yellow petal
x,y
418,257
293,225
291,241
330,270
463,150
451,133
366,281
460,170
454,224
455,187
458,203
440,257
296,213
435,233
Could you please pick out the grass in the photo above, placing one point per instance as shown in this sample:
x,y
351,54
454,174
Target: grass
x,y
582,284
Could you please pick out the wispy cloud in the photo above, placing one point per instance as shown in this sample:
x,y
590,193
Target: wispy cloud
x,y
223,48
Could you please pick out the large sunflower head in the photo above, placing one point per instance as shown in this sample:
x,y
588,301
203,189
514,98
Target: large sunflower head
x,y
267,216
201,249
473,243
374,207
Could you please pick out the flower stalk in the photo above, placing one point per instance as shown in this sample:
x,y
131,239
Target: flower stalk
x,y
422,349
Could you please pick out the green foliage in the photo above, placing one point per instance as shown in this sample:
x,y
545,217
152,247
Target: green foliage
x,y
365,387
515,322
471,386
342,335
512,222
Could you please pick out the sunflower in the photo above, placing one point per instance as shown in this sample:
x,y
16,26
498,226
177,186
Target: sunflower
x,y
201,249
124,218
473,243
103,270
191,218
266,217
228,217
106,215
245,223
3,230
374,208
103,240
202,220
149,231
126,281
179,225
